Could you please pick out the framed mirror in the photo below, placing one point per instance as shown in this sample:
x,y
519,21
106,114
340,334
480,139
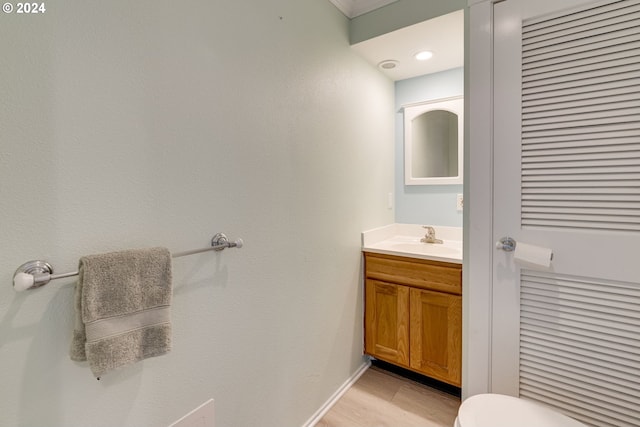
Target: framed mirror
x,y
433,142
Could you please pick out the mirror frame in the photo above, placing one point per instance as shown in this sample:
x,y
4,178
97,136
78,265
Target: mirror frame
x,y
411,111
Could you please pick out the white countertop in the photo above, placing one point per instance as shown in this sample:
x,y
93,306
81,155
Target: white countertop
x,y
404,240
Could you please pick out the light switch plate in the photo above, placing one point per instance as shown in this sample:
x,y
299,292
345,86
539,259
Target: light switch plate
x,y
459,202
202,416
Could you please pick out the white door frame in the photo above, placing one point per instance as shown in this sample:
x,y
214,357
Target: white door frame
x,y
478,188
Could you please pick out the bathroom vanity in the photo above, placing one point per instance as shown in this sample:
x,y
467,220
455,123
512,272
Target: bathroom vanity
x,y
413,303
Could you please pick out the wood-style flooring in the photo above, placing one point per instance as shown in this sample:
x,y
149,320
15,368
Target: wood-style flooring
x,y
383,399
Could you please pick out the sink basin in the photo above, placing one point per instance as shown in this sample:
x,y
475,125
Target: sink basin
x,y
448,251
426,249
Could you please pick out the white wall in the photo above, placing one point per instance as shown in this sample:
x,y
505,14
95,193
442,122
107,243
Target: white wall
x,y
134,124
422,204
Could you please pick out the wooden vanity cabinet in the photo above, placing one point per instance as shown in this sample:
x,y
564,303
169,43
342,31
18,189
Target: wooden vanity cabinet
x,y
413,314
387,321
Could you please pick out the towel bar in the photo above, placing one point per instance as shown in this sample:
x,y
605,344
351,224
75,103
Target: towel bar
x,y
33,274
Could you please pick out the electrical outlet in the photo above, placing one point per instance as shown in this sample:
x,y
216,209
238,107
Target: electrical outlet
x,y
459,202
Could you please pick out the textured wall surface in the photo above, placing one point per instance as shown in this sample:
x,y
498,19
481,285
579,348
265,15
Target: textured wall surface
x,y
137,124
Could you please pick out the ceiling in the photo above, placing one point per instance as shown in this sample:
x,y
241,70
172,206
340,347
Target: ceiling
x,y
443,35
353,8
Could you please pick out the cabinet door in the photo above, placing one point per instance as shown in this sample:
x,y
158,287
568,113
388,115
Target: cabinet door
x,y
387,321
436,335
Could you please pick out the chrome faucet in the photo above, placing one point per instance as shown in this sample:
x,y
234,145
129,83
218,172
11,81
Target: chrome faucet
x,y
430,237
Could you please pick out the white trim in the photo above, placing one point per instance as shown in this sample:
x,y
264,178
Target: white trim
x,y
345,6
353,8
431,101
311,422
477,270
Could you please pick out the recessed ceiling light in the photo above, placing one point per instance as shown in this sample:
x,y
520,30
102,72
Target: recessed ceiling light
x,y
388,64
424,55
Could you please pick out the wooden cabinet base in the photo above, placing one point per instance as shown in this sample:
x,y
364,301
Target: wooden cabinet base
x,y
387,320
414,318
436,335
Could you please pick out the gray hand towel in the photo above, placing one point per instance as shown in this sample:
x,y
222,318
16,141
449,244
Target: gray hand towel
x,y
122,304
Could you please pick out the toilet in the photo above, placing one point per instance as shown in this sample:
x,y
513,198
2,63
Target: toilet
x,y
498,410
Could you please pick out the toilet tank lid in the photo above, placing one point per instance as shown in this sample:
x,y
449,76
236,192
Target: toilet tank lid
x,y
498,410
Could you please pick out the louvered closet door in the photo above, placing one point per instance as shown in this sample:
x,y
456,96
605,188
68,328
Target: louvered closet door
x,y
567,176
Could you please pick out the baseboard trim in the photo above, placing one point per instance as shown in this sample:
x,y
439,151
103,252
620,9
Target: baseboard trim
x,y
337,395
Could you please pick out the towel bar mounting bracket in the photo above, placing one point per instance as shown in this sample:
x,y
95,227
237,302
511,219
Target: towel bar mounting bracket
x,y
41,272
219,241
